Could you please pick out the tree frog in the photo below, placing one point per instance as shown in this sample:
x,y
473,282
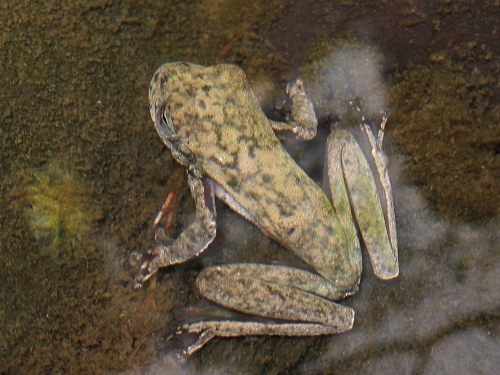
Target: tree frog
x,y
213,124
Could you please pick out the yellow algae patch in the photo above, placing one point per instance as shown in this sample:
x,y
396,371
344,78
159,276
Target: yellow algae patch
x,y
60,214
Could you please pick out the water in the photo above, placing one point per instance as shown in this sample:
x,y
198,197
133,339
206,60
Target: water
x,y
74,100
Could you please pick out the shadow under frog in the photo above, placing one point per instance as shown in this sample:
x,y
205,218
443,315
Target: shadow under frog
x,y
211,121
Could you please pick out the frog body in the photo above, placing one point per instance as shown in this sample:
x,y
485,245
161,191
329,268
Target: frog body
x,y
214,126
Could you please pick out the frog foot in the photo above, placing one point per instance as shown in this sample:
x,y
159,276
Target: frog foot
x,y
295,88
143,259
205,334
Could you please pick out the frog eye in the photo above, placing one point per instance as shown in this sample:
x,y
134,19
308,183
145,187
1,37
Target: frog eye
x,y
163,122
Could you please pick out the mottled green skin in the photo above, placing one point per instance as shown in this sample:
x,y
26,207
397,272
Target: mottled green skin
x,y
222,133
213,124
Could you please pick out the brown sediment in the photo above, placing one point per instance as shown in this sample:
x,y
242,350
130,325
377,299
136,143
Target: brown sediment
x,y
445,122
75,77
230,44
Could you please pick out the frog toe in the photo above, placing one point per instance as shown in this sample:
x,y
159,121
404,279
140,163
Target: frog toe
x,y
143,260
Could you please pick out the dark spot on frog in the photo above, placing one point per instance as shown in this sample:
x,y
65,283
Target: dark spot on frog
x,y
285,211
251,152
230,102
233,182
267,178
298,181
155,78
248,142
254,196
175,106
164,80
201,104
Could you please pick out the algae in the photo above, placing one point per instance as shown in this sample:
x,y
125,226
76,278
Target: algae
x,y
60,214
445,121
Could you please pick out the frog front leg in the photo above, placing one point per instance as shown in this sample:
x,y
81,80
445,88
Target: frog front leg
x,y
192,241
302,122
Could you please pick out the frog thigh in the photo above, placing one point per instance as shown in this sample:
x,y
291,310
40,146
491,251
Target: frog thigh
x,y
276,292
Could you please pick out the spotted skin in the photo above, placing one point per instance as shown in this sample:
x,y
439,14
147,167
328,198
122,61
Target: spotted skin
x,y
211,121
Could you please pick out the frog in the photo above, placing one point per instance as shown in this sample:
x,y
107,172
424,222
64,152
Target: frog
x,y
213,124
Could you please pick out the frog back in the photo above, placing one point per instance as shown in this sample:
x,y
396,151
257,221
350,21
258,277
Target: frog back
x,y
222,133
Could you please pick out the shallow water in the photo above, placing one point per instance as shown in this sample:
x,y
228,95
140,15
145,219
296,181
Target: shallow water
x,y
77,142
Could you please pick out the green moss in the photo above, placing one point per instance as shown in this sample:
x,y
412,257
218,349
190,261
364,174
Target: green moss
x,y
60,214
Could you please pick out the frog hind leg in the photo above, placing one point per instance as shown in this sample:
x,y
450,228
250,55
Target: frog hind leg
x,y
354,193
298,300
